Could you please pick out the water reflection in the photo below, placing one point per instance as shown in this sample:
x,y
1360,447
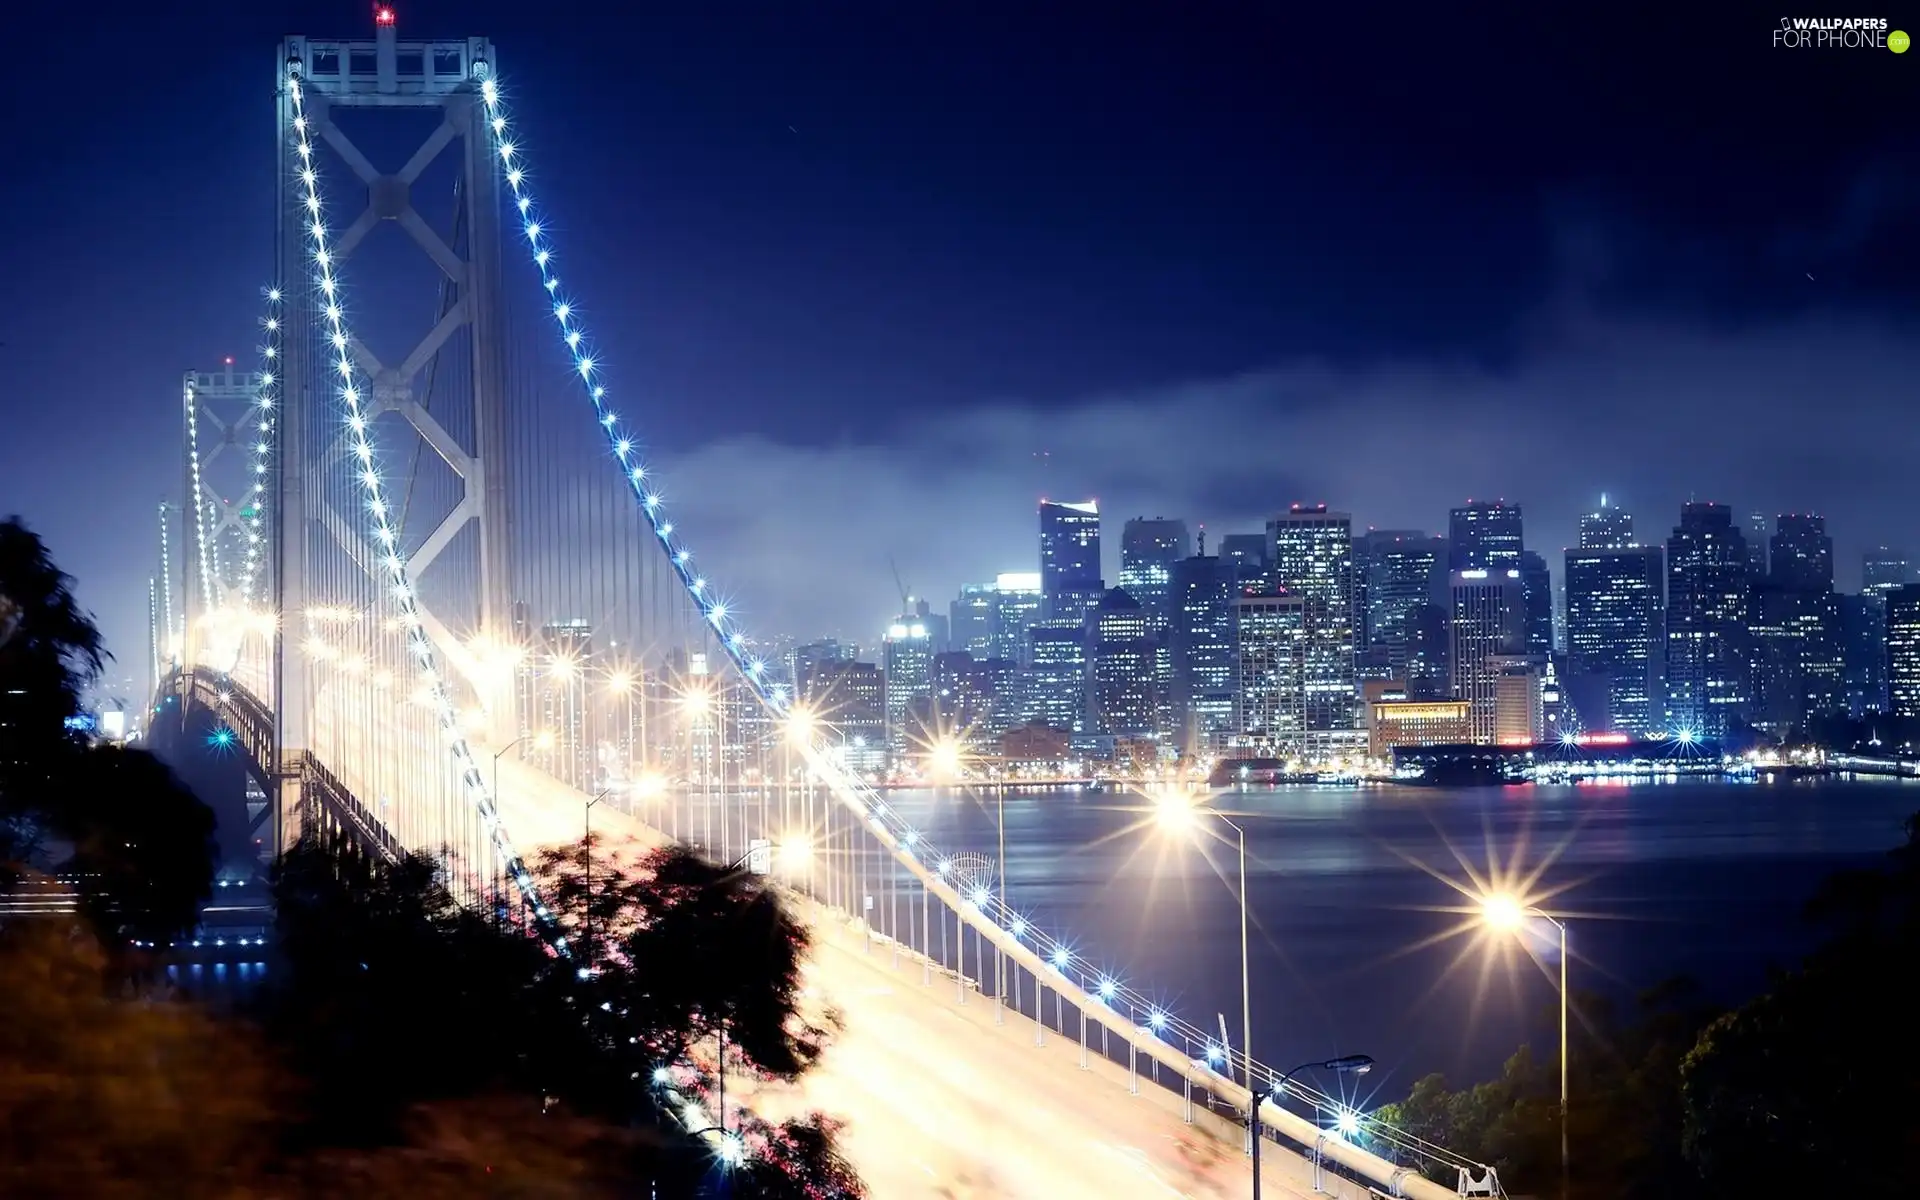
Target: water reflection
x,y
1702,878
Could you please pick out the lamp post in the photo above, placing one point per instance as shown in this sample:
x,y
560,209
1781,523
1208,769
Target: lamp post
x,y
792,851
538,739
1352,1064
1176,813
586,857
1507,914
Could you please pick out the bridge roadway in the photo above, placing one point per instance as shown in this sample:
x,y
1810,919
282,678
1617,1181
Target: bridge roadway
x,y
942,1104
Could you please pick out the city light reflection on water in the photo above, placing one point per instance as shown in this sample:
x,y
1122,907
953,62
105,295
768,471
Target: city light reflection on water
x,y
1705,879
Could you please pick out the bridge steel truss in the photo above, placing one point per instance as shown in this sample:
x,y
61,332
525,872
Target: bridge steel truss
x,y
386,74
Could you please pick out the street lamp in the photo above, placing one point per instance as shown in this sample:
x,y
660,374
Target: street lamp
x,y
793,851
586,859
1176,814
541,741
789,854
1352,1064
1508,914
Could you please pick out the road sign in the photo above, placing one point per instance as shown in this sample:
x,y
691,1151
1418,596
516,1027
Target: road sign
x,y
760,856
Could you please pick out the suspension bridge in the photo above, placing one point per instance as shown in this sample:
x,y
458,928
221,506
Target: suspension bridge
x,y
422,583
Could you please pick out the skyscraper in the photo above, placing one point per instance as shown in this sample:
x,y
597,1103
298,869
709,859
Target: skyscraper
x,y
1120,654
1248,549
1405,569
1069,551
1757,546
1056,682
1017,604
906,659
1798,653
1616,625
1800,554
803,661
1606,528
1903,650
1536,587
1312,552
1272,695
1484,536
1863,654
1487,628
1429,652
963,693
1148,549
851,698
1200,647
1882,570
970,620
1708,679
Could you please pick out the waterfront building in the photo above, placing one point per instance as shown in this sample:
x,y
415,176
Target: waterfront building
x,y
1616,623
1487,626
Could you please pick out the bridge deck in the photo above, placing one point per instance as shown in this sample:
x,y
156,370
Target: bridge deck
x,y
942,1103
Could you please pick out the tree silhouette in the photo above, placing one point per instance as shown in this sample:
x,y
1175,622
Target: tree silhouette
x,y
48,659
1815,1085
394,1000
143,853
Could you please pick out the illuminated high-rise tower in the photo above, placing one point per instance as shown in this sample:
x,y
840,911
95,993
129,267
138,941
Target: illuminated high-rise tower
x,y
1069,557
1708,679
1312,557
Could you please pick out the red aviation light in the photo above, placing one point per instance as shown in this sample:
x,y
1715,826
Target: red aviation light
x,y
382,15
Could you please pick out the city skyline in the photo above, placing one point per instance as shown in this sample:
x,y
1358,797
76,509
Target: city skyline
x,y
1090,297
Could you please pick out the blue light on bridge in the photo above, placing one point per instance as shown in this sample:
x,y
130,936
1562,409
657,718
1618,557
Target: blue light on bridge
x,y
221,738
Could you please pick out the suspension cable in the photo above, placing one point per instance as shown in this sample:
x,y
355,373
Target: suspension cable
x,y
206,546
881,819
264,417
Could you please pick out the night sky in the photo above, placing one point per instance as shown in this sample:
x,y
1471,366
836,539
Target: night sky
x,y
923,263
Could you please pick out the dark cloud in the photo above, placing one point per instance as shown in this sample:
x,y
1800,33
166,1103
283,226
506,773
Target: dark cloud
x,y
1802,415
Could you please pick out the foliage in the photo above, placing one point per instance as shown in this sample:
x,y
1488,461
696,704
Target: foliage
x,y
393,997
1810,1088
1815,1086
51,655
142,844
1623,1103
686,947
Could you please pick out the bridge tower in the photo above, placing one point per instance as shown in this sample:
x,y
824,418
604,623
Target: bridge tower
x,y
220,410
380,80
